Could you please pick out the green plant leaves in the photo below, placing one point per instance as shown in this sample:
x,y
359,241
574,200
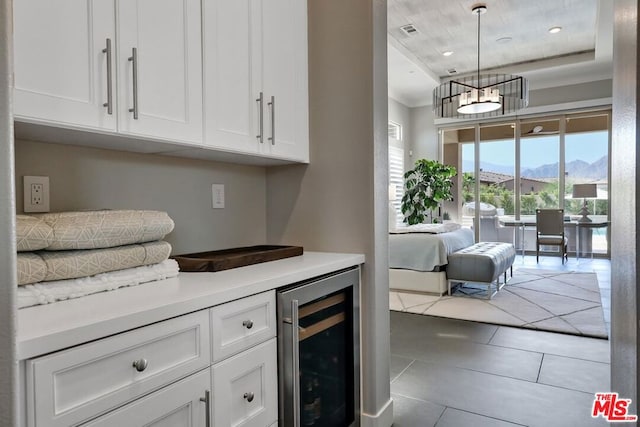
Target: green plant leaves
x,y
426,185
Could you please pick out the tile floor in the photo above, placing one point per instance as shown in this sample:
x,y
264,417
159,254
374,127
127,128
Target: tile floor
x,y
454,373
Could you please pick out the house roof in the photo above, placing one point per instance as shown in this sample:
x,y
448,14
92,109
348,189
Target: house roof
x,y
498,178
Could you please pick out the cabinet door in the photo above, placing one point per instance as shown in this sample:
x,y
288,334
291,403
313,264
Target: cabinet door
x,y
60,68
162,86
73,385
285,78
245,388
232,69
182,404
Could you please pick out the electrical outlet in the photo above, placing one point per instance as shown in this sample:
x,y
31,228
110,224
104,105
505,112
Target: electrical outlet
x,y
217,196
36,193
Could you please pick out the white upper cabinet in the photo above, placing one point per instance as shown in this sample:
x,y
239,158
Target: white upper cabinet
x,y
285,78
255,74
134,70
231,34
160,86
61,62
67,76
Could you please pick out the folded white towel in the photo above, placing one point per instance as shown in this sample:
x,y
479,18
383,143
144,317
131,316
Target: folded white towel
x,y
57,290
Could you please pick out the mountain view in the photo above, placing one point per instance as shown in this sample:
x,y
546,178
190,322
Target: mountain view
x,y
576,169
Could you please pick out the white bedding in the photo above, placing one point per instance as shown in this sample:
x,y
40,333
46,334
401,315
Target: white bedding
x,y
427,228
424,251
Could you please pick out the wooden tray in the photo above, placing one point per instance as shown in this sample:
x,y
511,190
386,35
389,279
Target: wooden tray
x,y
236,257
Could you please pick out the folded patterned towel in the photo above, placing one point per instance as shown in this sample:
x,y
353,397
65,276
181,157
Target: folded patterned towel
x,y
104,229
32,233
58,265
48,292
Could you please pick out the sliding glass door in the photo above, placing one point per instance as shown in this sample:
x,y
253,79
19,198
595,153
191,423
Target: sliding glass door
x,y
496,180
539,165
513,168
587,166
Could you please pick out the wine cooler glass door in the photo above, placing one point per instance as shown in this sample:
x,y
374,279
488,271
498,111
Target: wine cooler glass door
x,y
324,389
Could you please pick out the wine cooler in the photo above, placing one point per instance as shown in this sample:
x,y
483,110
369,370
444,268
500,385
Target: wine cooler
x,y
319,352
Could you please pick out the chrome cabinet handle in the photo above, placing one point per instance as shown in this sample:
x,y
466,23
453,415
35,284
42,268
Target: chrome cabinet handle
x,y
247,324
134,59
140,364
272,104
109,103
295,338
249,396
207,402
260,136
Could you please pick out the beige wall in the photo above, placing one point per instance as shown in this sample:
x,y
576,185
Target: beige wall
x,y
570,93
90,178
339,201
425,134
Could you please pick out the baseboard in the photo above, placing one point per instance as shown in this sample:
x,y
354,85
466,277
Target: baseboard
x,y
384,417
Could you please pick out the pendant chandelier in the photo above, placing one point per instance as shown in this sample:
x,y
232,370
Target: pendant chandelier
x,y
480,95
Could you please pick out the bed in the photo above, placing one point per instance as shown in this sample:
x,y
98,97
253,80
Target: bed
x,y
418,255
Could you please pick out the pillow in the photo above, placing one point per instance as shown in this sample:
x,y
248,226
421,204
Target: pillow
x,y
32,233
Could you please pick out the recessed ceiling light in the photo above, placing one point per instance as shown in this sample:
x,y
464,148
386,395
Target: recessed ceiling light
x,y
554,30
447,53
503,40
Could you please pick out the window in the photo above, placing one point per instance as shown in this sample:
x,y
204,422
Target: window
x,y
396,168
395,131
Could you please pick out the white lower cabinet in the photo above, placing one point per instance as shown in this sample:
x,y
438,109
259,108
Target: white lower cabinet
x,y
181,404
165,374
71,386
245,388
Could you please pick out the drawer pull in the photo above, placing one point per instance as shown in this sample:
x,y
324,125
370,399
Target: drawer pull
x,y
140,364
249,396
247,324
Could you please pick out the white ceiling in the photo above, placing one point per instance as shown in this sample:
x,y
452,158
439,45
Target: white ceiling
x,y
581,52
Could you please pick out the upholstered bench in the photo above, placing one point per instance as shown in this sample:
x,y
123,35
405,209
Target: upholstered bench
x,y
481,263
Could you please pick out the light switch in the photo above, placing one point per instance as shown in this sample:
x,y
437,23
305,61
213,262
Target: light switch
x,y
217,196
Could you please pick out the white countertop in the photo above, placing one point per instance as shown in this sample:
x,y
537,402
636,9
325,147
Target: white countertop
x,y
46,328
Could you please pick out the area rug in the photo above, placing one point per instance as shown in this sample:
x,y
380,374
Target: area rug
x,y
556,301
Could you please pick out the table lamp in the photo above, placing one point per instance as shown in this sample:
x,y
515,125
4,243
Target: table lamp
x,y
585,191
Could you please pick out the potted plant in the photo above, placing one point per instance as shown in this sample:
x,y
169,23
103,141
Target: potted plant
x,y
426,185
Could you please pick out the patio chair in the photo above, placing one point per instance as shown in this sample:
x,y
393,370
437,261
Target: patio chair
x,y
550,231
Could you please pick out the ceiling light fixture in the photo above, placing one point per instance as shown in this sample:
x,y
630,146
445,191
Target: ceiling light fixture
x,y
554,30
481,94
447,53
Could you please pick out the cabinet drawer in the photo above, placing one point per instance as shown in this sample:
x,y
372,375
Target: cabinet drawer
x,y
73,385
240,324
182,404
245,389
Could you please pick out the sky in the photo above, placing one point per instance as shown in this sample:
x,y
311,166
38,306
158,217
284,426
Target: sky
x,y
541,150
